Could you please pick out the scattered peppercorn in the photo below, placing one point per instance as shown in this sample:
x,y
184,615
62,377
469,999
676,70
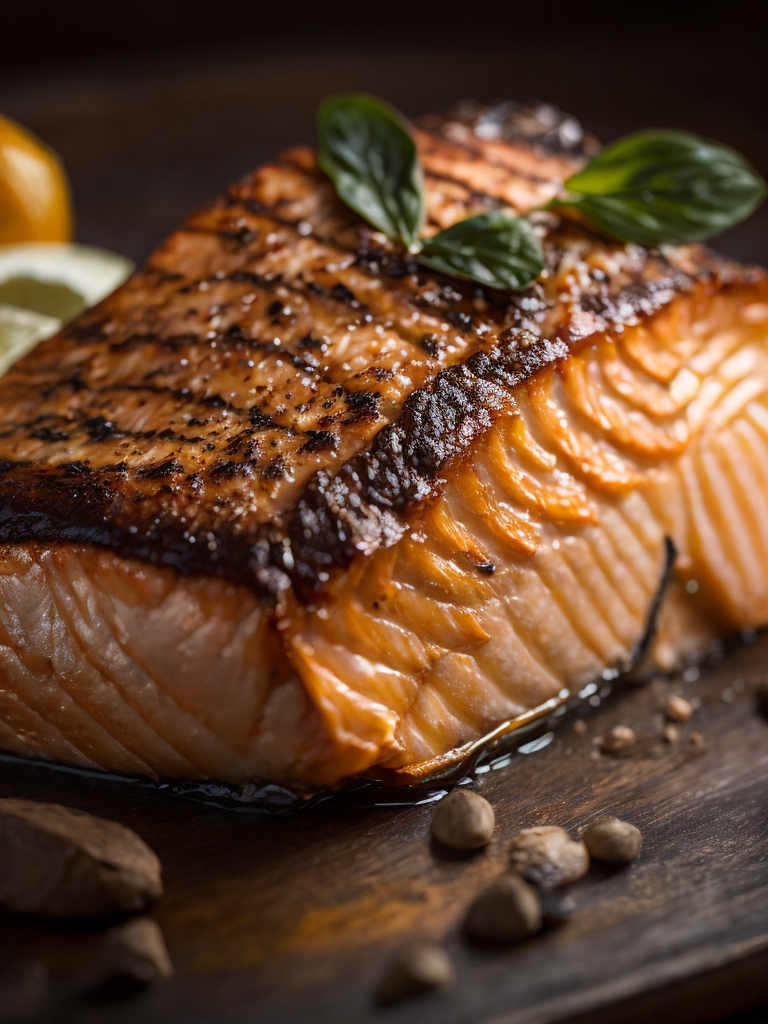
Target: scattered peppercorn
x,y
418,968
548,856
463,821
613,841
134,953
618,739
678,709
671,733
509,910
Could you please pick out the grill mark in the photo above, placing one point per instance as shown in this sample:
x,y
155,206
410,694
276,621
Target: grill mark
x,y
361,507
365,505
535,125
486,198
49,434
171,342
439,137
182,395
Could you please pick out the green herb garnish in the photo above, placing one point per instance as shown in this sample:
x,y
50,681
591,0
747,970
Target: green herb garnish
x,y
664,187
652,188
492,248
371,159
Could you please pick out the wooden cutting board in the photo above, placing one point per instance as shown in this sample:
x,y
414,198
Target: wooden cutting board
x,y
290,918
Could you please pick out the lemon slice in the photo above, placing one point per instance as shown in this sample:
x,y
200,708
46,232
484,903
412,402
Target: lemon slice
x,y
43,285
59,280
20,331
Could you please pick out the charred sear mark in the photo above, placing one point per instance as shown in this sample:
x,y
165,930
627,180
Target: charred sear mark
x,y
379,261
49,434
236,335
230,470
275,469
361,507
101,429
363,406
381,373
634,299
539,125
76,468
259,419
165,469
320,441
341,293
214,401
310,342
239,236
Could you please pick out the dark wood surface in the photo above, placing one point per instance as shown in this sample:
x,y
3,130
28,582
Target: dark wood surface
x,y
289,919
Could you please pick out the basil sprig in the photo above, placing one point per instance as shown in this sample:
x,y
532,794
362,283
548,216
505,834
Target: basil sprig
x,y
652,187
371,159
491,248
366,151
659,187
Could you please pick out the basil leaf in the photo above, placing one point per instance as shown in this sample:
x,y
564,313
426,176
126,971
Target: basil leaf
x,y
367,152
493,249
665,186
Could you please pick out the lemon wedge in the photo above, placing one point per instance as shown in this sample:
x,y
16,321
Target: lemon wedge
x,y
35,203
20,331
59,280
43,285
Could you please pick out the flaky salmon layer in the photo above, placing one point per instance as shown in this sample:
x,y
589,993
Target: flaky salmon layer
x,y
532,572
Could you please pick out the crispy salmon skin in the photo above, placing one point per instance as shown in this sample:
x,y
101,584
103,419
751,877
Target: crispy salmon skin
x,y
287,507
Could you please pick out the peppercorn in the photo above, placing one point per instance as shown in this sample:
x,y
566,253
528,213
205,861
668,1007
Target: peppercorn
x,y
417,968
613,841
548,856
463,821
509,910
678,709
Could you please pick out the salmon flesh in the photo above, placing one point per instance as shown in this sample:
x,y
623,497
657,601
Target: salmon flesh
x,y
288,508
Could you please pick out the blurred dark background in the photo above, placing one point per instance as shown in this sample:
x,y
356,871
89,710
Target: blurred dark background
x,y
156,105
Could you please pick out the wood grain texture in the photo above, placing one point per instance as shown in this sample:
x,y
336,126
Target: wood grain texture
x,y
290,918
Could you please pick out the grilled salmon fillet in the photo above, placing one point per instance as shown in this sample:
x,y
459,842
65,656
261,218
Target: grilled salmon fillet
x,y
287,507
